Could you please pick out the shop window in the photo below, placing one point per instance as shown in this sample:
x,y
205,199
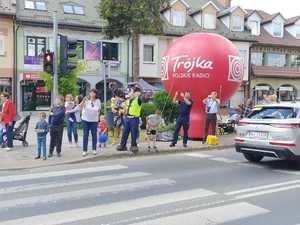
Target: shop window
x,y
287,93
35,46
80,50
148,53
110,51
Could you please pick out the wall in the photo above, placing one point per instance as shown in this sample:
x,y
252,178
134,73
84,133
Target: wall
x,y
293,29
226,21
244,46
7,61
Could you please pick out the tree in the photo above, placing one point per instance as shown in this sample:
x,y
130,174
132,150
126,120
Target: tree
x,y
67,83
164,103
132,18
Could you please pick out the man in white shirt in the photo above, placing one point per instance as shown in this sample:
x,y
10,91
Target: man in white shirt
x,y
212,107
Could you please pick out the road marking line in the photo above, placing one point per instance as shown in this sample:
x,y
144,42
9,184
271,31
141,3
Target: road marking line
x,y
258,188
288,172
225,160
216,215
110,209
267,192
60,173
198,155
89,180
83,193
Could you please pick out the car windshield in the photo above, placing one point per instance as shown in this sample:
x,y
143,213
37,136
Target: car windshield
x,y
273,113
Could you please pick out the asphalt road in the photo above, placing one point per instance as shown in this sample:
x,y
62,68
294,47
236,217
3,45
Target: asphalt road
x,y
207,188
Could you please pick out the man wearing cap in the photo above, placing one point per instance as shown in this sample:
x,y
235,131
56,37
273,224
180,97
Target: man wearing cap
x,y
131,121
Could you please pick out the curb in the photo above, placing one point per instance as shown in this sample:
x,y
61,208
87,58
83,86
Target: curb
x,y
130,155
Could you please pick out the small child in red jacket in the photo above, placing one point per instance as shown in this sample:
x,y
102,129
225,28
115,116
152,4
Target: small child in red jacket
x,y
102,132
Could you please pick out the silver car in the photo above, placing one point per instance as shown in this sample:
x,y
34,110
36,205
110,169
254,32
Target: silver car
x,y
270,131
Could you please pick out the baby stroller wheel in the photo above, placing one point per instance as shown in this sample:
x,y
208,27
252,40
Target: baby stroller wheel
x,y
25,144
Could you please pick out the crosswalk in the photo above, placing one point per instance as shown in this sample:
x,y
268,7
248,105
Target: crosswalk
x,y
53,198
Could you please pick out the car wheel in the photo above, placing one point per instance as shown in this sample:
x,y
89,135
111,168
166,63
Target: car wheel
x,y
252,157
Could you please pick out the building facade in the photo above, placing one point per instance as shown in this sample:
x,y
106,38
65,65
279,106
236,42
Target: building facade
x,y
275,57
78,20
187,16
7,16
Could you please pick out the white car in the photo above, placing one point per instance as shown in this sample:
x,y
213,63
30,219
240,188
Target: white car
x,y
270,131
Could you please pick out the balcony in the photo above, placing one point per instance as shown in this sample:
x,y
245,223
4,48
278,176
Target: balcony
x,y
273,71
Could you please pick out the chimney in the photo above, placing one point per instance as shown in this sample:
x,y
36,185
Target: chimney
x,y
225,3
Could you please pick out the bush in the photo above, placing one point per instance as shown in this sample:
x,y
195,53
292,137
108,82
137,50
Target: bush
x,y
164,103
147,109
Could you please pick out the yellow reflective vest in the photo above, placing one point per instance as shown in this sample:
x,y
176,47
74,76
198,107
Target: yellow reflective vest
x,y
133,107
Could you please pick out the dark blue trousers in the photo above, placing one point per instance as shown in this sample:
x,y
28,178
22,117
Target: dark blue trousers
x,y
9,135
131,125
184,123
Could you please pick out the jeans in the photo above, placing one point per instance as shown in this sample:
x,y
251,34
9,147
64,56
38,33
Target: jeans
x,y
72,130
210,120
56,135
131,125
184,123
1,136
41,143
9,135
87,127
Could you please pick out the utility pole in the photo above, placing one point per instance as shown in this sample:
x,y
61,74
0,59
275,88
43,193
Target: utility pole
x,y
55,76
106,73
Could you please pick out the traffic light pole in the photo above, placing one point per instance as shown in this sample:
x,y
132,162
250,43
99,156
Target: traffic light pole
x,y
55,67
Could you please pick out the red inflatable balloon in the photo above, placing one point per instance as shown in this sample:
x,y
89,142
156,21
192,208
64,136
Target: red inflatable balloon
x,y
201,63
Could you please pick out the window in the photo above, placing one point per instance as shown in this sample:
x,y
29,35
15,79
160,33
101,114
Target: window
x,y
38,5
275,59
80,50
2,46
148,53
254,26
257,58
294,61
209,21
110,51
73,9
35,46
29,4
277,29
237,23
178,18
274,113
244,56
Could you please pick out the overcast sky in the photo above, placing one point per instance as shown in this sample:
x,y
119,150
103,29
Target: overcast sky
x,y
288,8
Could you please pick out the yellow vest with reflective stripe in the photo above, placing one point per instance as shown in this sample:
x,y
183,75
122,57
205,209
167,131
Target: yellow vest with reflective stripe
x,y
134,109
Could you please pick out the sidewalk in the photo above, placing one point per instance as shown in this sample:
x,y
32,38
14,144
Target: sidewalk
x,y
23,157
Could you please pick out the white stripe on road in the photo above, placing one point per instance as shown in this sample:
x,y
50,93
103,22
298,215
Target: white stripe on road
x,y
85,193
267,192
61,173
216,215
224,160
258,188
88,180
198,155
110,209
288,172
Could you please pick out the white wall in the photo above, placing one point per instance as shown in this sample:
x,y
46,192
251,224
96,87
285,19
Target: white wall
x,y
198,18
254,17
226,21
149,69
269,26
167,15
293,28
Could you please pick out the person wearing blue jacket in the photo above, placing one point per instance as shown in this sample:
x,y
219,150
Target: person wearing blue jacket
x,y
41,128
56,124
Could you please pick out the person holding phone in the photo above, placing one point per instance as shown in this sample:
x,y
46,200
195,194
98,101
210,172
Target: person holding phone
x,y
212,108
185,106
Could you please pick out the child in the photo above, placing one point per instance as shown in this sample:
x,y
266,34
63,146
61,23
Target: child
x,y
153,123
102,130
56,123
2,130
70,118
41,128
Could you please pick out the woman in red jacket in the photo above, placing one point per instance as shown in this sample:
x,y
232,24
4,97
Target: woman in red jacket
x,y
9,113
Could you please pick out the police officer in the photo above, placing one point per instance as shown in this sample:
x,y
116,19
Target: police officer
x,y
183,120
131,121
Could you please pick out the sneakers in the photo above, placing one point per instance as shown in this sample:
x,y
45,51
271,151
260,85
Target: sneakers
x,y
172,145
185,145
50,155
37,157
8,149
95,152
84,154
134,149
44,158
58,155
121,148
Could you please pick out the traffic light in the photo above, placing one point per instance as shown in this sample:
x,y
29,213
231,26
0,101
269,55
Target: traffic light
x,y
68,54
49,62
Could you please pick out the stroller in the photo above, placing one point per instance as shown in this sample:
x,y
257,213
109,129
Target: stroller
x,y
19,132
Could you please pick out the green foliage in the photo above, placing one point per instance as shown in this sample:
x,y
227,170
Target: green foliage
x,y
47,78
167,127
163,102
126,17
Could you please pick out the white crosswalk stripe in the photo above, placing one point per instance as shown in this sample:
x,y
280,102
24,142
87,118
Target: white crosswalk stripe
x,y
211,216
198,155
61,173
